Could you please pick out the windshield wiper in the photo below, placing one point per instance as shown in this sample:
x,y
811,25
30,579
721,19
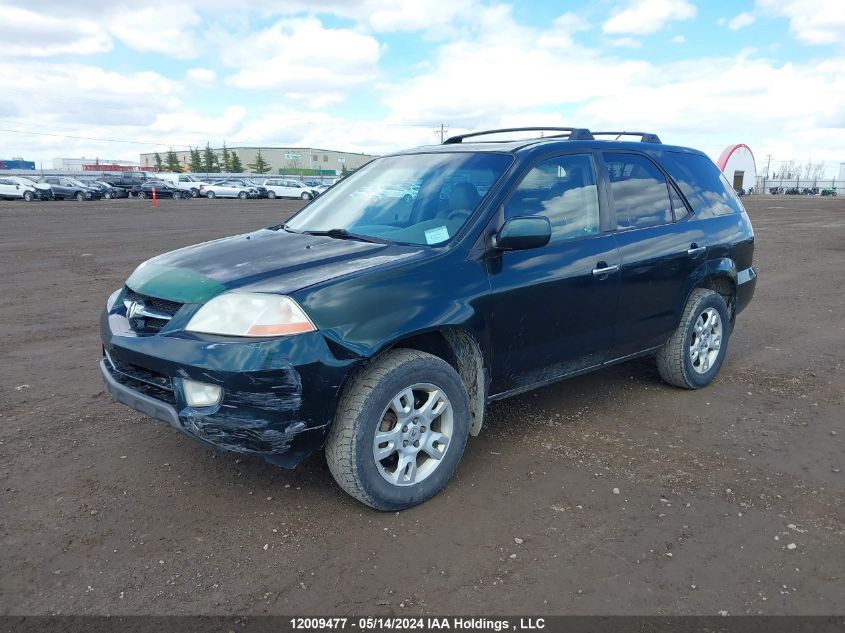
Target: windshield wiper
x,y
343,234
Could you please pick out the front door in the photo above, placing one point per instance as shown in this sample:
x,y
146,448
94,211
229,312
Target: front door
x,y
554,307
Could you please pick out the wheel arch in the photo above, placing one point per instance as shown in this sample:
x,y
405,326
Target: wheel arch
x,y
715,274
460,349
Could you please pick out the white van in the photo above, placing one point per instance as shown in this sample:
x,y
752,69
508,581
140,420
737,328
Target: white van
x,y
289,188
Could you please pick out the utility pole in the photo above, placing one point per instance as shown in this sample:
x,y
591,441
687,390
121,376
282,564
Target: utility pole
x,y
442,132
768,164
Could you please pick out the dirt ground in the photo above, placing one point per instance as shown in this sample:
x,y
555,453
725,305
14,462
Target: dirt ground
x,y
729,498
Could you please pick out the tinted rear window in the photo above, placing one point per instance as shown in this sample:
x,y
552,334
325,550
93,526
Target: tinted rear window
x,y
702,183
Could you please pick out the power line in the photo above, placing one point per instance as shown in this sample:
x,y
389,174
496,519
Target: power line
x,y
90,138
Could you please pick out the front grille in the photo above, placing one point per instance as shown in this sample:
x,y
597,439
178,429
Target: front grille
x,y
146,323
140,379
159,305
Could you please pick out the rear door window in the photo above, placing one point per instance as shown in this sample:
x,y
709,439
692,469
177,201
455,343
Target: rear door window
x,y
702,184
640,191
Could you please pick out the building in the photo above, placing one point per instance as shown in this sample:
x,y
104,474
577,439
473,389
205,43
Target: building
x,y
281,160
92,164
841,171
737,163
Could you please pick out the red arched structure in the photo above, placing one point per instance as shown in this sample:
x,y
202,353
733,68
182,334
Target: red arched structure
x,y
734,163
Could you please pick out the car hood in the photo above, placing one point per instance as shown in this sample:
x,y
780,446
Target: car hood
x,y
263,261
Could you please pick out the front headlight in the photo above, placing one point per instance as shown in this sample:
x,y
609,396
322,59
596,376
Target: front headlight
x,y
250,314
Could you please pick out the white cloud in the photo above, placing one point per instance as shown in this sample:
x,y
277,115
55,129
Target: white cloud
x,y
643,17
26,33
810,21
741,21
679,39
303,57
202,76
168,30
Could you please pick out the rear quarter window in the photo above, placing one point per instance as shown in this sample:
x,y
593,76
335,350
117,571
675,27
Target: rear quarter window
x,y
703,185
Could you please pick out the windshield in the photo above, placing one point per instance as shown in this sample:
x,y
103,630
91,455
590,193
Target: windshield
x,y
76,183
411,199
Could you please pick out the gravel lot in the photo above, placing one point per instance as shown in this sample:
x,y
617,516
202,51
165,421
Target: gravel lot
x,y
611,493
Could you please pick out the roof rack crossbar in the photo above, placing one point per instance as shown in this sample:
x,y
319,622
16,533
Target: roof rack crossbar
x,y
572,133
645,137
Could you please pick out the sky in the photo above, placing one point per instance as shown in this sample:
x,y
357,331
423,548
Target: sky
x,y
113,79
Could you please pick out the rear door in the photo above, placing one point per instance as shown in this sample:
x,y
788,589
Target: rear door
x,y
659,248
554,307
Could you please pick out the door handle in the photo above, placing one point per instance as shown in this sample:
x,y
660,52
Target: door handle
x,y
695,249
603,270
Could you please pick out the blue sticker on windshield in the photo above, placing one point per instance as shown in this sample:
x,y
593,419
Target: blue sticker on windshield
x,y
435,236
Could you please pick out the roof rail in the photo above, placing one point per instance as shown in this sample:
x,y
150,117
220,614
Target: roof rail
x,y
572,133
645,137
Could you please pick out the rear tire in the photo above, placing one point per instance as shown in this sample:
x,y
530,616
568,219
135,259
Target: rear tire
x,y
141,195
271,195
306,196
195,193
107,196
693,355
411,399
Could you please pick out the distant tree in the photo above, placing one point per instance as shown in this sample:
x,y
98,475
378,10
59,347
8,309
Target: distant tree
x,y
196,160
226,163
172,161
789,169
209,160
344,170
260,166
236,167
157,159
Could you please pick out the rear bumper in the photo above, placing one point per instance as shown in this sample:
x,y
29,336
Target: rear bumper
x,y
746,284
279,396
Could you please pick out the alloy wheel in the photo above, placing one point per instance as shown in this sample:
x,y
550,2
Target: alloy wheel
x,y
413,435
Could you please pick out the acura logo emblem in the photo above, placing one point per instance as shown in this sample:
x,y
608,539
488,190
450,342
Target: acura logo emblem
x,y
135,309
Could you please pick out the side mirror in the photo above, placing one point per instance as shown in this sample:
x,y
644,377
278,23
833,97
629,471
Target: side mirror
x,y
522,233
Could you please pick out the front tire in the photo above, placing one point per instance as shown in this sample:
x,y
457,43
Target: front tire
x,y
80,197
271,195
693,355
210,195
195,193
243,195
28,196
400,430
306,196
141,195
107,196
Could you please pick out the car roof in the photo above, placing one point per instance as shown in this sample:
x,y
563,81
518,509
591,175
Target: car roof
x,y
541,145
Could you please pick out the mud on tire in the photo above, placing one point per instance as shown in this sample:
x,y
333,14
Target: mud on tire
x,y
364,409
677,362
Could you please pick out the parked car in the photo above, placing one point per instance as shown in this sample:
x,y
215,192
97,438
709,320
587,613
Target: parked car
x,y
226,189
380,332
289,188
65,187
183,182
42,190
11,190
108,190
320,189
162,190
259,191
128,179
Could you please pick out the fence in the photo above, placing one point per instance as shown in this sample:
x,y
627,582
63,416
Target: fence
x,y
764,185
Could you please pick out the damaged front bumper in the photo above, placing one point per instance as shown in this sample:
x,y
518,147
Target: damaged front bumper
x,y
279,395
